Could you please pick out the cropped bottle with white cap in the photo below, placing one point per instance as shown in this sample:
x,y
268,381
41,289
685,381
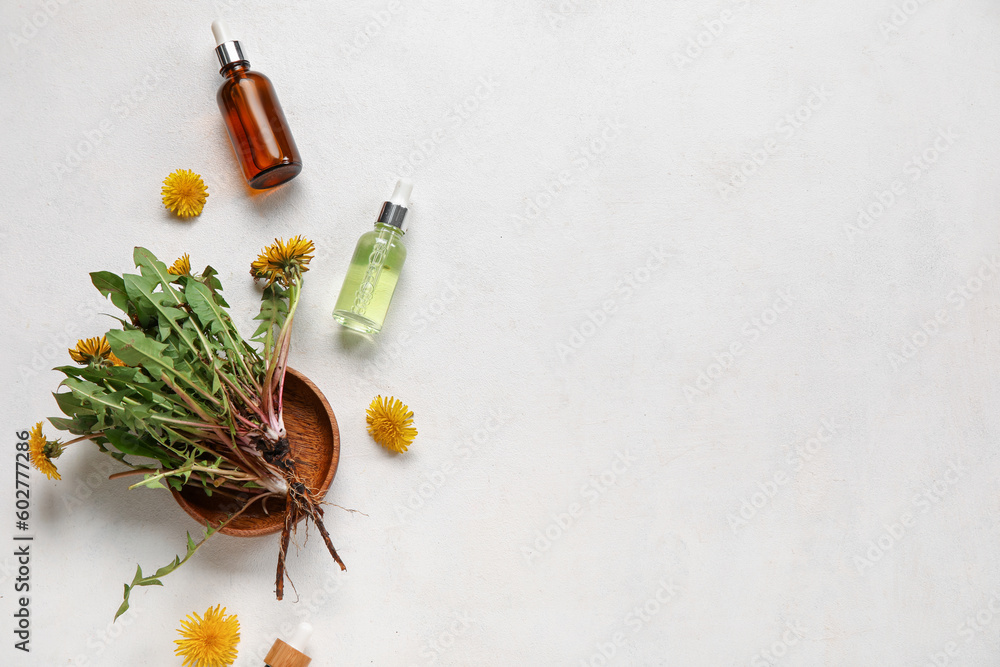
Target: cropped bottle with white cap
x,y
374,270
293,652
256,124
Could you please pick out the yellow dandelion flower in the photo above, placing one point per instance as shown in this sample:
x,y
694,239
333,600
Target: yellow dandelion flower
x,y
94,350
184,193
209,641
182,267
282,261
43,451
391,424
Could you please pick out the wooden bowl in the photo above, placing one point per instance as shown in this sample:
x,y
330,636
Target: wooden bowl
x,y
314,440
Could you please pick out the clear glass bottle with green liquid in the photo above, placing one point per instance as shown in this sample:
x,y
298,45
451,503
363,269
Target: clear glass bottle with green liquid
x,y
378,258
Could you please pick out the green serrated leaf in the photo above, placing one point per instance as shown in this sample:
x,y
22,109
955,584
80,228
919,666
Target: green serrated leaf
x,y
208,276
141,289
145,312
273,310
97,398
152,268
114,375
124,606
75,426
127,443
71,404
136,349
168,568
209,313
113,454
155,484
111,285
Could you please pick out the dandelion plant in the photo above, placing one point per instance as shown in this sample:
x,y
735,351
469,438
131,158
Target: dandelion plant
x,y
182,399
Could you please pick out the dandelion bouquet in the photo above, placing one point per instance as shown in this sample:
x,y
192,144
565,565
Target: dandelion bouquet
x,y
178,396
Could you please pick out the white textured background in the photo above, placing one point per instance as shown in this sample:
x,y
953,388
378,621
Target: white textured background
x,y
547,339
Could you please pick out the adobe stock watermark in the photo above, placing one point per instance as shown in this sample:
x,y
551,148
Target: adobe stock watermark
x,y
363,35
7,569
101,640
796,459
121,109
54,348
785,130
86,485
595,319
565,9
900,15
635,620
931,327
304,609
582,160
974,626
45,11
913,171
454,118
591,492
922,502
224,6
723,362
709,33
780,647
427,314
434,647
464,449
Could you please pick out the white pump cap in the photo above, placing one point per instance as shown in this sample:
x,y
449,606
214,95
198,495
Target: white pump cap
x,y
221,34
301,637
401,195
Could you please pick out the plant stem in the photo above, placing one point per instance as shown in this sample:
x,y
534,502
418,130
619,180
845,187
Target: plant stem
x,y
274,380
89,436
184,397
243,397
193,467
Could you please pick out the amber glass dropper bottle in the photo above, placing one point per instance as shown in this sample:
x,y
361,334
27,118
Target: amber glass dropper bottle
x,y
256,124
